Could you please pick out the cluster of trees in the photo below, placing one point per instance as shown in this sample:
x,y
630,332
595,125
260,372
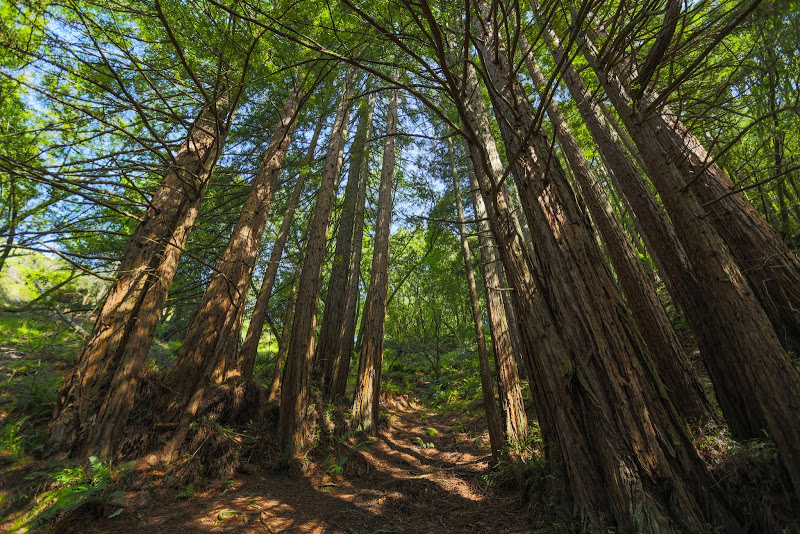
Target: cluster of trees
x,y
609,146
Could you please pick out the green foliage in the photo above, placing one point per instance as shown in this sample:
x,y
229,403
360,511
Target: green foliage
x,y
27,396
12,439
421,443
74,487
34,288
35,390
448,382
38,334
335,464
186,493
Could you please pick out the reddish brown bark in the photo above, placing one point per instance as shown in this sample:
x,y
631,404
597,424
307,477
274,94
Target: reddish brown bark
x,y
10,230
339,379
759,373
602,370
709,324
671,360
366,405
296,373
275,383
97,396
496,441
771,267
535,325
329,355
761,254
247,356
217,324
507,345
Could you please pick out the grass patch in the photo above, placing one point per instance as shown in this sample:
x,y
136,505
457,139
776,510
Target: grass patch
x,y
40,334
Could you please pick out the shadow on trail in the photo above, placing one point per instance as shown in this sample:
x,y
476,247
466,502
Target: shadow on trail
x,y
388,487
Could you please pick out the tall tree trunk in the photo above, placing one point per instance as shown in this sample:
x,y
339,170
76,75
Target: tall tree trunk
x,y
294,391
350,314
247,356
671,360
614,377
710,324
213,328
366,405
275,383
763,384
508,347
97,396
762,256
771,267
534,322
490,409
329,354
778,165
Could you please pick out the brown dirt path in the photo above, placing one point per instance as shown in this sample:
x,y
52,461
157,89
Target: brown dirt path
x,y
396,484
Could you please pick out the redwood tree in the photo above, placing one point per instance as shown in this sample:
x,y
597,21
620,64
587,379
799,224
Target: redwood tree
x,y
671,360
98,394
764,387
247,356
366,405
506,342
611,378
329,355
708,324
211,341
296,373
487,384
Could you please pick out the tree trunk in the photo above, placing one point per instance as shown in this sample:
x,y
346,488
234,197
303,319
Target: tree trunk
x,y
294,391
534,323
671,360
508,347
493,423
213,329
94,402
763,385
275,383
763,257
366,406
709,324
339,377
611,379
329,354
247,356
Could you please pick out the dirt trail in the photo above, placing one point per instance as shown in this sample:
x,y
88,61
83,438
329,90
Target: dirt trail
x,y
405,481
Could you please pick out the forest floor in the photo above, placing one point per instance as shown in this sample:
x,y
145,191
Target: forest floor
x,y
427,470
407,480
423,472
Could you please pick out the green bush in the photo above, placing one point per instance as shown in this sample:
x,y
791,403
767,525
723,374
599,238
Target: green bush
x,y
12,439
75,487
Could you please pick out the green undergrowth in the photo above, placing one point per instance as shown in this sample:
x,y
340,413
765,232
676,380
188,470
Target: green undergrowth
x,y
28,388
26,274
751,476
39,333
333,447
265,358
70,488
46,303
448,383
